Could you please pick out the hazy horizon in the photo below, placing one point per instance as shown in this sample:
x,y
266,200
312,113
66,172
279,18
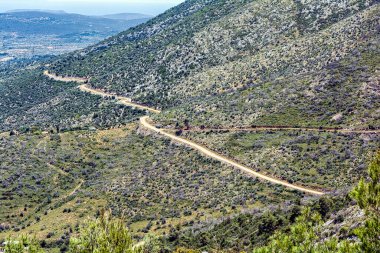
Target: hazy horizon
x,y
93,7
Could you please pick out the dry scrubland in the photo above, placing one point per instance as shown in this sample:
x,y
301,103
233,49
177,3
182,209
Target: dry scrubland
x,y
157,184
206,64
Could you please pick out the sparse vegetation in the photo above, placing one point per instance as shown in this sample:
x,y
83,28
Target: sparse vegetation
x,y
158,186
292,233
304,235
32,103
329,160
65,154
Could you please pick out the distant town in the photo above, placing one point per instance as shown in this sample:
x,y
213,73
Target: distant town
x,y
29,33
13,45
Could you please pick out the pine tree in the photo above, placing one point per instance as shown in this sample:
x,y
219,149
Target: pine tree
x,y
367,195
104,235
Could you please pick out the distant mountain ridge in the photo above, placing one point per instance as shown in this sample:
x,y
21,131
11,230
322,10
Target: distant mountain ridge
x,y
39,22
26,33
119,16
128,16
36,10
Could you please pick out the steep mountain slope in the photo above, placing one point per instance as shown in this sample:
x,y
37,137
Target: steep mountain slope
x,y
258,62
206,63
344,93
30,100
150,61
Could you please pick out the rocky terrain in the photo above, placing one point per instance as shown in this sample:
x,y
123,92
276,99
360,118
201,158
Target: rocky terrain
x,y
287,88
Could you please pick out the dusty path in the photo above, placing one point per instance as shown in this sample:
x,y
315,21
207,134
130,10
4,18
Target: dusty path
x,y
75,189
122,100
145,123
61,172
65,79
279,128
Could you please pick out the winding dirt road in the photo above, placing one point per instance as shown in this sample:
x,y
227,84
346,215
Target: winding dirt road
x,y
65,79
144,121
121,100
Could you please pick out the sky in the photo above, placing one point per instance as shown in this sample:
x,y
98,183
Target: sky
x,y
92,7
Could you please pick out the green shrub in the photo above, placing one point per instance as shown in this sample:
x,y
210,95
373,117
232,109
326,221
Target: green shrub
x,y
23,244
367,196
104,235
303,236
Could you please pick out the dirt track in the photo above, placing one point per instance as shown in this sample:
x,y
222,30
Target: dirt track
x,y
122,100
144,121
65,79
279,128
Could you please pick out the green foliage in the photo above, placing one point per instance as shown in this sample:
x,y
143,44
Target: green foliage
x,y
152,244
367,194
184,250
300,237
304,235
23,244
104,235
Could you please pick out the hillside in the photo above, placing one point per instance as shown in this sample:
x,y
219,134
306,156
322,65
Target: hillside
x,y
286,50
116,168
39,103
287,90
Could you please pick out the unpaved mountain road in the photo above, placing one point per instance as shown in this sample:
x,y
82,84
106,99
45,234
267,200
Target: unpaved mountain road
x,y
122,100
65,79
144,121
